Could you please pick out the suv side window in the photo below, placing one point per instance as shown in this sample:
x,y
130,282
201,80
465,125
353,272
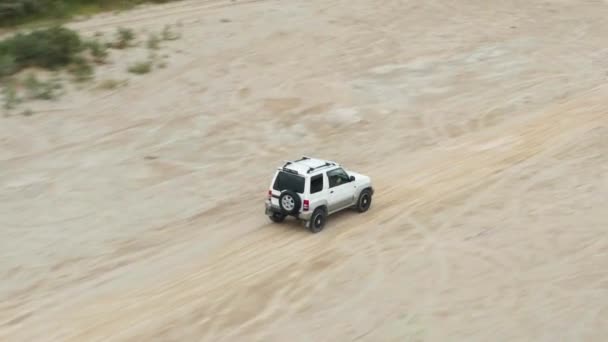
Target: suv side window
x,y
316,183
337,177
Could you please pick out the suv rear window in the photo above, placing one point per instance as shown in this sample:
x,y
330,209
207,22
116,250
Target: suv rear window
x,y
288,181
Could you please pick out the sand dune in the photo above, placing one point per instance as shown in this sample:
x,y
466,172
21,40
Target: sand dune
x,y
137,214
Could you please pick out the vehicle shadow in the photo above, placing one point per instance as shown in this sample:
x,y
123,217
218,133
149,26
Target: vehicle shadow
x,y
291,223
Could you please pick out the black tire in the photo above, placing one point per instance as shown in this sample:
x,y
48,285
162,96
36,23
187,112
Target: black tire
x,y
289,202
277,217
364,201
318,220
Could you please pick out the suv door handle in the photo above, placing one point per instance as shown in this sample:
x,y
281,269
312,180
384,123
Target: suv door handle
x,y
331,192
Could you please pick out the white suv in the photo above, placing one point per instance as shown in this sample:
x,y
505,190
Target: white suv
x,y
310,189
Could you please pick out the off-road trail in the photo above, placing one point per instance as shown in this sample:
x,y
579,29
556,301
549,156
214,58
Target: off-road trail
x,y
137,214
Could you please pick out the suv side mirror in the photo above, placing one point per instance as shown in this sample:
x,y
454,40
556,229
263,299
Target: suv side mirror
x,y
352,178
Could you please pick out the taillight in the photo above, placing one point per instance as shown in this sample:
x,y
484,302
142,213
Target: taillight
x,y
269,194
306,205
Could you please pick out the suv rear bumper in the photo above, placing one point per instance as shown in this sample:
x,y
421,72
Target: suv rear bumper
x,y
271,209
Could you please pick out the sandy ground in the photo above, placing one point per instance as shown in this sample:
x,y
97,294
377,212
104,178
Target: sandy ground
x,y
137,214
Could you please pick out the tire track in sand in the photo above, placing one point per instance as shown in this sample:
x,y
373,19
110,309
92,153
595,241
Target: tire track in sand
x,y
263,253
492,257
433,239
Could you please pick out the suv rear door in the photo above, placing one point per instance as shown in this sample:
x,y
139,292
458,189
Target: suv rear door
x,y
286,181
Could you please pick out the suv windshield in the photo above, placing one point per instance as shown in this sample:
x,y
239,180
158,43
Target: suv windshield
x,y
288,181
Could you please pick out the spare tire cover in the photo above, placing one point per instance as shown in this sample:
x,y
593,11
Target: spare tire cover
x,y
289,201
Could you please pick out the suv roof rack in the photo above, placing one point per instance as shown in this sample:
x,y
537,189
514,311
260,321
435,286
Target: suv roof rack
x,y
310,169
295,161
289,170
327,164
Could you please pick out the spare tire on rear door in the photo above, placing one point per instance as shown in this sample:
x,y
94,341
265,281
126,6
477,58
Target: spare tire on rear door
x,y
290,203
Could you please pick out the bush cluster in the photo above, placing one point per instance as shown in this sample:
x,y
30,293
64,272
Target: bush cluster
x,y
17,11
48,48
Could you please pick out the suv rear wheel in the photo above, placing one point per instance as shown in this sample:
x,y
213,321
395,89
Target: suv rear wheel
x,y
277,217
317,220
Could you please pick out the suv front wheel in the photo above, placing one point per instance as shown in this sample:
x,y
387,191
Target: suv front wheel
x,y
365,200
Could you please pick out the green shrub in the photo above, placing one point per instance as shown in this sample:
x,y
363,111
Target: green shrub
x,y
81,70
41,90
140,68
8,65
27,112
111,84
153,42
9,92
48,48
99,51
14,12
124,38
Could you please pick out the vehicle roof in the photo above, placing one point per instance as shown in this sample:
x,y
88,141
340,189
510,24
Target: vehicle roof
x,y
307,166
